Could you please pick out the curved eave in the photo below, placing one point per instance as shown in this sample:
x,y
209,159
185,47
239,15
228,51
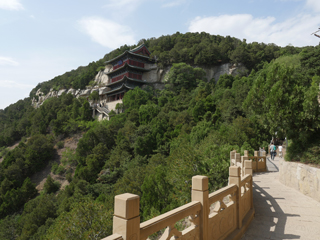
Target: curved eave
x,y
130,66
116,58
139,47
125,77
123,86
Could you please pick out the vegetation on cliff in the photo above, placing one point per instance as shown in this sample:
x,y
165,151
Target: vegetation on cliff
x,y
161,140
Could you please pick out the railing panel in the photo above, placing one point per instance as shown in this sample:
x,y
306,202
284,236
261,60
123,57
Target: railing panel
x,y
222,221
262,165
221,193
169,219
223,216
245,200
113,237
259,163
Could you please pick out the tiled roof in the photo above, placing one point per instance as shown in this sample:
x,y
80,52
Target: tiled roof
x,y
125,77
126,64
130,52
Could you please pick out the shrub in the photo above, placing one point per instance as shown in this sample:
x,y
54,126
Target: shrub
x,y
69,177
60,144
50,185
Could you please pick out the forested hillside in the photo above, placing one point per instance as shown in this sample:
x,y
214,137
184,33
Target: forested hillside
x,y
162,139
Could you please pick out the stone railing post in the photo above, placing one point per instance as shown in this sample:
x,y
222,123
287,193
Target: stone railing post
x,y
248,170
232,157
256,158
248,167
200,193
126,219
246,153
243,159
238,159
235,178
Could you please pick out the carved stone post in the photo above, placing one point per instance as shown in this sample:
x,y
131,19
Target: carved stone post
x,y
232,156
200,193
248,167
248,170
126,219
238,159
235,178
256,158
264,160
246,153
243,159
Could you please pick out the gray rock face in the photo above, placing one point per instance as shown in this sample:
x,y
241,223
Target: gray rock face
x,y
71,91
103,90
156,77
227,68
61,91
85,92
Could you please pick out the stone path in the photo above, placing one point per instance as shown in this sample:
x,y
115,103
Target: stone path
x,y
281,212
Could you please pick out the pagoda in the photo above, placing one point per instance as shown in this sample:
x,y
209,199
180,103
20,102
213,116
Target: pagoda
x,y
127,72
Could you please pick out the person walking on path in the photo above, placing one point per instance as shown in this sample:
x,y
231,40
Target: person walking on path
x,y
280,151
272,151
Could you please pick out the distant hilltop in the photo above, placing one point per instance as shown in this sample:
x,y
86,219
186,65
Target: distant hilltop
x,y
133,68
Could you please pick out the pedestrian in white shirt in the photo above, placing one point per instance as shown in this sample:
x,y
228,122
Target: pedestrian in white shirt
x,y
280,151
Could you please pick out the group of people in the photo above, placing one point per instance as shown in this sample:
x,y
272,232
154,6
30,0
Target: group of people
x,y
273,151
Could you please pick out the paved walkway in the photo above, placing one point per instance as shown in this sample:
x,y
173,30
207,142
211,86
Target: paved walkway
x,y
281,212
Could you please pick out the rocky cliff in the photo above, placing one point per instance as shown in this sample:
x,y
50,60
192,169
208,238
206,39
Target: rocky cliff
x,y
156,78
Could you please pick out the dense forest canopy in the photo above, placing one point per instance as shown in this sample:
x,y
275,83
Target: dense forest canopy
x,y
160,141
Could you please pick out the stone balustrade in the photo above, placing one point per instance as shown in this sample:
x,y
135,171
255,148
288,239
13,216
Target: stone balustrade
x,y
223,214
259,160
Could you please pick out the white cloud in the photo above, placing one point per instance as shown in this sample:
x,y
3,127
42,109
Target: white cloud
x,y
8,61
106,32
10,5
314,4
174,3
295,31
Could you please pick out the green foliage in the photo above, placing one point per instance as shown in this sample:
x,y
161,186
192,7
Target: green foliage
x,y
58,168
182,75
135,98
50,185
86,220
10,227
60,144
94,95
162,138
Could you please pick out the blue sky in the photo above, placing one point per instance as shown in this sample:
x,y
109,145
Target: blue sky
x,y
43,39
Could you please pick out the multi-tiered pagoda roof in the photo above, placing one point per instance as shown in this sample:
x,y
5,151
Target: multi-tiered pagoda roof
x,y
127,71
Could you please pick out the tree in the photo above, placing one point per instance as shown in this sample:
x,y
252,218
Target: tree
x,y
135,98
86,111
182,75
50,186
86,220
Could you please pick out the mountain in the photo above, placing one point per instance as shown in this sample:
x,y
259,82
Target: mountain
x,y
160,139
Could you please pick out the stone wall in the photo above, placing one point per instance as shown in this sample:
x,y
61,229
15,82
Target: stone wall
x,y
301,177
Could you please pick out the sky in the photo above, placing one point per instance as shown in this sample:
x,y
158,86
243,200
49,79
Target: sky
x,y
43,39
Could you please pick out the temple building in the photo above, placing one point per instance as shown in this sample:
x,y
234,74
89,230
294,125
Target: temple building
x,y
131,69
127,72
